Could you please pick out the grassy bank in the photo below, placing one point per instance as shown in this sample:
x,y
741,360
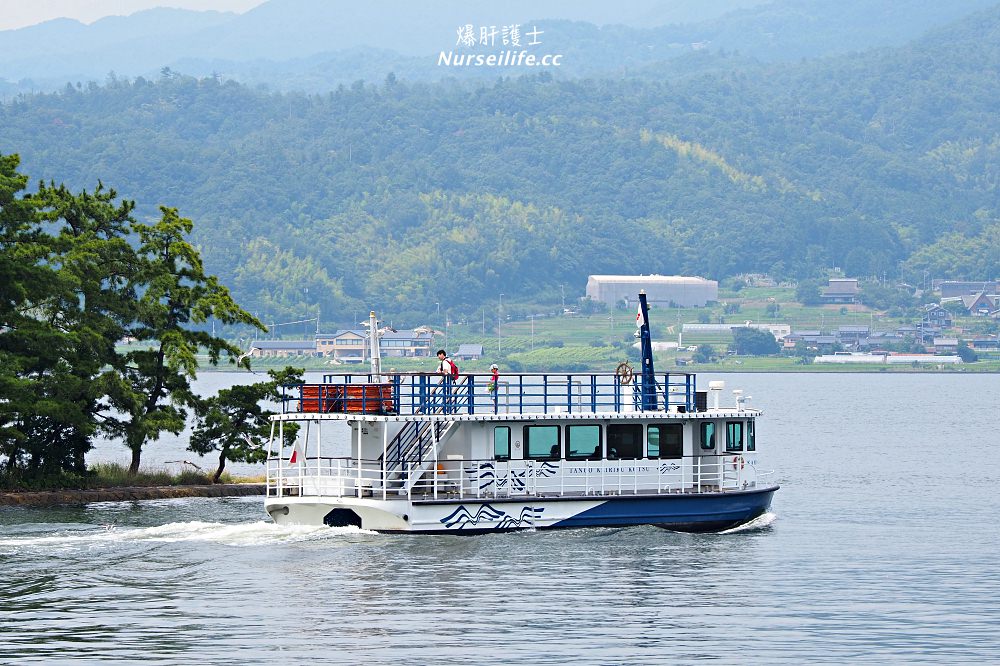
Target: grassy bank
x,y
111,475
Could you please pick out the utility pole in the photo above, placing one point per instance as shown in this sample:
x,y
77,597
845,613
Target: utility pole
x,y
499,319
436,320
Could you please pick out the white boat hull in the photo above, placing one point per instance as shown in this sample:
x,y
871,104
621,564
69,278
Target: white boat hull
x,y
687,512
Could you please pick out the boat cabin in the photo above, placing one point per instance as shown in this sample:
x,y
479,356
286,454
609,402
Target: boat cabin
x,y
423,436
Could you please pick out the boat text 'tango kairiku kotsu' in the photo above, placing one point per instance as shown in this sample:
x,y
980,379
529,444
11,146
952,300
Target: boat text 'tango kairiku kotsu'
x,y
419,452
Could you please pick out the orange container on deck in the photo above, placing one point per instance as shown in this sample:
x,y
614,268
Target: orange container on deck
x,y
347,398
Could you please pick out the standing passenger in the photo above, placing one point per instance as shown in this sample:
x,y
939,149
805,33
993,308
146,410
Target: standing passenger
x,y
449,373
446,367
493,384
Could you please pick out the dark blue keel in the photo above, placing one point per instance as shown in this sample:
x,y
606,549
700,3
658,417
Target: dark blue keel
x,y
707,512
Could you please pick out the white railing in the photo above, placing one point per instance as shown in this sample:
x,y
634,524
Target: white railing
x,y
348,477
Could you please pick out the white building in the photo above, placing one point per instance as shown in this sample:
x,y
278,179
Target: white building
x,y
864,357
661,290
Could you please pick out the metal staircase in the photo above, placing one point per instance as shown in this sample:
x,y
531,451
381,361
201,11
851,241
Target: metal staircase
x,y
413,451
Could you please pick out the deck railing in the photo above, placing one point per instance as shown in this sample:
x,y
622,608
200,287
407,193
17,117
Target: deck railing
x,y
425,393
491,479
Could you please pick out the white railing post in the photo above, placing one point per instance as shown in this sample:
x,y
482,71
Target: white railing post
x,y
357,484
385,460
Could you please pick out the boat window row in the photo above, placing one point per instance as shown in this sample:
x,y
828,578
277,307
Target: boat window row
x,y
617,441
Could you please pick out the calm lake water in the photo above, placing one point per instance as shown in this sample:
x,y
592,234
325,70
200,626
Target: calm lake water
x,y
882,547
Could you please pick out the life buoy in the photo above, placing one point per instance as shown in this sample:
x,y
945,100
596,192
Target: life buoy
x,y
738,462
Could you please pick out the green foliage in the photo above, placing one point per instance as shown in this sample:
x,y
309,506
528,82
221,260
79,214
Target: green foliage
x,y
883,297
754,342
235,425
804,352
967,354
77,274
957,308
808,292
151,386
704,354
66,266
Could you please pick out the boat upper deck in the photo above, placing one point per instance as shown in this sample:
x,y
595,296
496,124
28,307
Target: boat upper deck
x,y
470,395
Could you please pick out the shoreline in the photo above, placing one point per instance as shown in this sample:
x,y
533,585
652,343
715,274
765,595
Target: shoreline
x,y
45,498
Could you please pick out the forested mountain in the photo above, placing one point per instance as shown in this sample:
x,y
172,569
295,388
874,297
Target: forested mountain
x,y
314,45
400,195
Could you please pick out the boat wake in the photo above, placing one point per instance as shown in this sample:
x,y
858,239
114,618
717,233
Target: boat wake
x,y
239,534
757,523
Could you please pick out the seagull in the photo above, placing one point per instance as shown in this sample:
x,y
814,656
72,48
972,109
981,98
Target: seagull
x,y
183,462
239,359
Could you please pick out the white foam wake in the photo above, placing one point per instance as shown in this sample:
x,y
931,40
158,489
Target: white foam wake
x,y
757,523
239,534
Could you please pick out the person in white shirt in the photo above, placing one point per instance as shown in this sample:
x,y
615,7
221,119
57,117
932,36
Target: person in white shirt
x,y
445,366
448,370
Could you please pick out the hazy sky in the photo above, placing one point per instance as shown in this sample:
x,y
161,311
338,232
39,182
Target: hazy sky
x,y
20,13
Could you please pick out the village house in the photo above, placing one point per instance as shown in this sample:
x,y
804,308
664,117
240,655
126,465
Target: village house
x,y
282,348
469,353
956,289
935,315
851,334
841,290
981,304
351,346
406,343
344,345
946,345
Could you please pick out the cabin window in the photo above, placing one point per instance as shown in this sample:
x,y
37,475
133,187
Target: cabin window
x,y
734,435
665,440
751,440
542,442
501,443
624,441
583,442
708,435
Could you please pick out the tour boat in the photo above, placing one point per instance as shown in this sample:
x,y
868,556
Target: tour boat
x,y
426,453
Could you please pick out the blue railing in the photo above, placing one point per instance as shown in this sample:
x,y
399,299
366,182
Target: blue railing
x,y
424,393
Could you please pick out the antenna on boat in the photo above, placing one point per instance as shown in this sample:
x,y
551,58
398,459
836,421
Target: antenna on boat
x,y
374,348
646,342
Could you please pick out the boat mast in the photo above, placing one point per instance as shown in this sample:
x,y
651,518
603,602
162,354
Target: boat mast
x,y
374,348
646,342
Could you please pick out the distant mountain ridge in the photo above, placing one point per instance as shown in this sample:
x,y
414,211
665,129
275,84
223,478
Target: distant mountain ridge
x,y
415,193
317,44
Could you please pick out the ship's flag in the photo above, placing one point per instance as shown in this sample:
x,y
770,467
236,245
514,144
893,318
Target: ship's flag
x,y
638,318
294,458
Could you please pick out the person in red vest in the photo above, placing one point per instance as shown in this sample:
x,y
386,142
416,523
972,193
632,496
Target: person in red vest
x,y
493,384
